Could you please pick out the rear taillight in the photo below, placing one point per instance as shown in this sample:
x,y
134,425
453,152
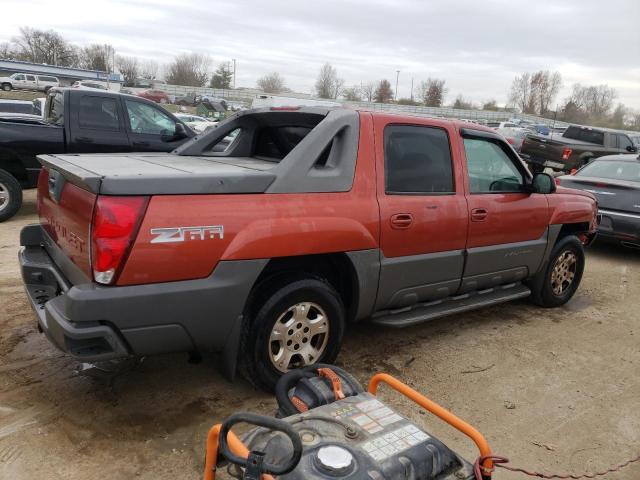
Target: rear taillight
x,y
115,224
566,153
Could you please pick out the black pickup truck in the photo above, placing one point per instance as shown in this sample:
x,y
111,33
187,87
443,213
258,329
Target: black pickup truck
x,y
80,121
575,148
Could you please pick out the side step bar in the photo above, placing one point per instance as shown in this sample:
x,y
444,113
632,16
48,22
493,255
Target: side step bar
x,y
423,312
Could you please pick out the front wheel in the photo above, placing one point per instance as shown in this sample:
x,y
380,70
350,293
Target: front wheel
x,y
7,87
560,278
10,196
299,322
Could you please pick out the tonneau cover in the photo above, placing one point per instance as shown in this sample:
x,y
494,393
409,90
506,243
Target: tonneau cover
x,y
162,173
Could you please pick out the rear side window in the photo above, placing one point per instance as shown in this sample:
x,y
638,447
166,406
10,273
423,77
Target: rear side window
x,y
584,135
98,113
417,160
276,143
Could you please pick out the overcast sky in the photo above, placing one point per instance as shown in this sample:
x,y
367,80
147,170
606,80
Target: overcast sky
x,y
476,46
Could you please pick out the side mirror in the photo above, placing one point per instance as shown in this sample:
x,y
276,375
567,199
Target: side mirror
x,y
543,183
181,131
632,149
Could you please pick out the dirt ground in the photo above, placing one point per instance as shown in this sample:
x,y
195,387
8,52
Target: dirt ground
x,y
553,390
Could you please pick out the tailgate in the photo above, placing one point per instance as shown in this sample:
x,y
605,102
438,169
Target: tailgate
x,y
542,148
65,209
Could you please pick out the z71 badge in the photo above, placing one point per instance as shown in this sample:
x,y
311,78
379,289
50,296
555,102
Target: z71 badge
x,y
182,234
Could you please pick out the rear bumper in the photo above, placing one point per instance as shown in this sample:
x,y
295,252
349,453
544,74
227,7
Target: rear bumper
x,y
95,323
536,160
621,226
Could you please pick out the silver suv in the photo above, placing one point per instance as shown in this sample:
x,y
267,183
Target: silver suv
x,y
28,81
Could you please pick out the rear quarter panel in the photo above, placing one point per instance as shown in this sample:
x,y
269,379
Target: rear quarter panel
x,y
258,226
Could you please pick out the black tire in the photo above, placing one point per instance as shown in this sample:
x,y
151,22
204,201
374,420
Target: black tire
x,y
542,285
10,196
273,299
7,87
46,89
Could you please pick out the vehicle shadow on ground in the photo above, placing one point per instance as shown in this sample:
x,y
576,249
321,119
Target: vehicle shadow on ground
x,y
614,251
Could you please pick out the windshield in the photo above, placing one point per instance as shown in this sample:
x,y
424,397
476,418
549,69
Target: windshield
x,y
614,170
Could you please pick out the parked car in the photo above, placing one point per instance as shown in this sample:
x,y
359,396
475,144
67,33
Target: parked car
x,y
80,121
89,84
498,125
539,128
197,123
157,96
575,148
188,99
28,81
515,136
303,220
635,138
615,182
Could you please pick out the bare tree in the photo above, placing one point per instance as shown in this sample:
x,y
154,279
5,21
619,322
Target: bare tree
x,y
432,92
129,69
383,93
490,105
149,69
7,51
97,57
534,92
462,103
521,92
271,83
352,94
368,91
189,69
328,85
589,104
40,46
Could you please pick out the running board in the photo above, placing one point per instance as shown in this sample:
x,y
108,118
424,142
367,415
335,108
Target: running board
x,y
422,312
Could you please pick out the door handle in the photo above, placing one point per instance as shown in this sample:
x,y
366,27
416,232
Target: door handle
x,y
84,140
140,144
478,214
401,220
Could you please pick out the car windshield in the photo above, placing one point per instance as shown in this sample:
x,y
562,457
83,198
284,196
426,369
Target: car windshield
x,y
614,170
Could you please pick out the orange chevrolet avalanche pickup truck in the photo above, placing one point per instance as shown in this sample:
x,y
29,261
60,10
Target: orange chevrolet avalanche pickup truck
x,y
263,237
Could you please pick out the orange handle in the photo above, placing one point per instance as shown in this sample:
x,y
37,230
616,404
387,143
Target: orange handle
x,y
211,459
437,410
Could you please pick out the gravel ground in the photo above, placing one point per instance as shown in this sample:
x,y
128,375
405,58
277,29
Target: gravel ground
x,y
554,390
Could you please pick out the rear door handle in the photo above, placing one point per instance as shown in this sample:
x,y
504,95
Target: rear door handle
x,y
478,214
84,140
140,144
401,220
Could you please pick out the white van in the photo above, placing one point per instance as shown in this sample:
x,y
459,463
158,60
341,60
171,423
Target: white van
x,y
28,81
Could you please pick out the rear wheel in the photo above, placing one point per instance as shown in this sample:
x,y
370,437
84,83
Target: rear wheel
x,y
10,196
296,323
557,283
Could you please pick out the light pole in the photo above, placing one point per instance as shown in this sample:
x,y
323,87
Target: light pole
x,y
234,73
397,77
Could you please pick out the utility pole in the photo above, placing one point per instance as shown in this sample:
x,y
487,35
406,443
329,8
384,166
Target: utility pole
x,y
234,73
412,89
397,77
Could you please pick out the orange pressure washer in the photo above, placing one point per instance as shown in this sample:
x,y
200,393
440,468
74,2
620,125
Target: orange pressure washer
x,y
330,428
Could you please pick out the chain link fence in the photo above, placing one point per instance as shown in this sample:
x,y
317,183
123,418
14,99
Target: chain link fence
x,y
246,96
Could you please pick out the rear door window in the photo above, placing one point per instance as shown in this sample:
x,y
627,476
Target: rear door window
x,y
99,113
417,160
624,142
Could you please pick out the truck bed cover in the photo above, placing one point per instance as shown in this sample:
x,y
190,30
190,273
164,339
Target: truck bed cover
x,y
161,173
